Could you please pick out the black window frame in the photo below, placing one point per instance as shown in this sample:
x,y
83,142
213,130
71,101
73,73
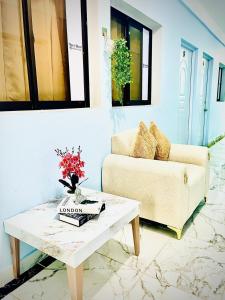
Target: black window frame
x,y
127,21
220,80
34,103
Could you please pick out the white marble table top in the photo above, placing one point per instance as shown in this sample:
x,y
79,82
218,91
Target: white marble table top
x,y
40,228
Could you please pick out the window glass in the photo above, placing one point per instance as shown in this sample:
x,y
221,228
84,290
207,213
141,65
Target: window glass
x,y
138,39
76,50
117,32
221,84
222,90
51,52
117,29
136,60
145,64
44,64
13,66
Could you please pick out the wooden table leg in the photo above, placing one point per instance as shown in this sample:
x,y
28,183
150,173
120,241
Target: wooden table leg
x,y
15,250
136,235
75,282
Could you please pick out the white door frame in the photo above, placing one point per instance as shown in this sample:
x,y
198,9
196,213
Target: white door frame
x,y
194,50
208,96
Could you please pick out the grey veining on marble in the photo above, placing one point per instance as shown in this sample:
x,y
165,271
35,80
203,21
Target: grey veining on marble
x,y
193,266
167,269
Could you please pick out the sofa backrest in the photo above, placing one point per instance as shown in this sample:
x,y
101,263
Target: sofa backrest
x,y
122,142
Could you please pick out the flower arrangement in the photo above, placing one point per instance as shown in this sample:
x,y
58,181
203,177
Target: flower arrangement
x,y
72,168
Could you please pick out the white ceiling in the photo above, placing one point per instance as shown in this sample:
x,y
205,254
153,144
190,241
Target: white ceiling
x,y
211,13
216,10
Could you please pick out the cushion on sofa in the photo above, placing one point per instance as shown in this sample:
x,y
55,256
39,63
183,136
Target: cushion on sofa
x,y
163,144
144,144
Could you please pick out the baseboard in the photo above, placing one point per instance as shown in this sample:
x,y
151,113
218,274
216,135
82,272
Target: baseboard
x,y
26,263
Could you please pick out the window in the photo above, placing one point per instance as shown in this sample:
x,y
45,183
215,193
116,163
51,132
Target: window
x,y
221,84
139,42
43,54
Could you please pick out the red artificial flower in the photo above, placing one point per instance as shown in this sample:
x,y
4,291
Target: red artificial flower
x,y
71,164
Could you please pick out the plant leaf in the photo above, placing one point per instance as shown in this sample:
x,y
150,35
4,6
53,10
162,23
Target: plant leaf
x,y
65,183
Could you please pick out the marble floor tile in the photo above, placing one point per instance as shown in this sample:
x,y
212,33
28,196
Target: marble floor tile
x,y
107,278
194,266
121,248
103,277
205,229
10,297
172,293
148,288
50,283
207,223
215,198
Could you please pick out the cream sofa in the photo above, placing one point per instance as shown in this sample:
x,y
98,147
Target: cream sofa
x,y
169,191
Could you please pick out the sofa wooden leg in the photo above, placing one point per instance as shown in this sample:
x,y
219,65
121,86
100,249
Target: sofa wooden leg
x,y
205,199
177,230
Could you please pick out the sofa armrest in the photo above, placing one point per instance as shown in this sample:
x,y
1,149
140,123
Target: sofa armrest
x,y
189,154
139,169
122,142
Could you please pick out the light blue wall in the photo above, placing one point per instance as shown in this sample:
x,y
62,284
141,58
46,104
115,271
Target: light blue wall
x,y
217,121
179,23
28,164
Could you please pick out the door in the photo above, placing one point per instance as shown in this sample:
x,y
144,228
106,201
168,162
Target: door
x,y
186,58
203,105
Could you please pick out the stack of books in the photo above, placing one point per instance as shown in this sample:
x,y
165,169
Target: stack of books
x,y
78,214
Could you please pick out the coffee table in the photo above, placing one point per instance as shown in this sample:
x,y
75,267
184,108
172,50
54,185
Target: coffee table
x,y
40,228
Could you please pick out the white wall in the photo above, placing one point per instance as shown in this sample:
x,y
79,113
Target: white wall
x,y
217,109
28,164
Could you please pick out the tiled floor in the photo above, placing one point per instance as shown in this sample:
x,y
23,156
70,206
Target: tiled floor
x,y
167,269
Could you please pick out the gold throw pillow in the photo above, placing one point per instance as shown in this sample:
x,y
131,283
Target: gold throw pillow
x,y
163,144
144,144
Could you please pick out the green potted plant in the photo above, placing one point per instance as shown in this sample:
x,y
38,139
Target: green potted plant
x,y
121,66
216,140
